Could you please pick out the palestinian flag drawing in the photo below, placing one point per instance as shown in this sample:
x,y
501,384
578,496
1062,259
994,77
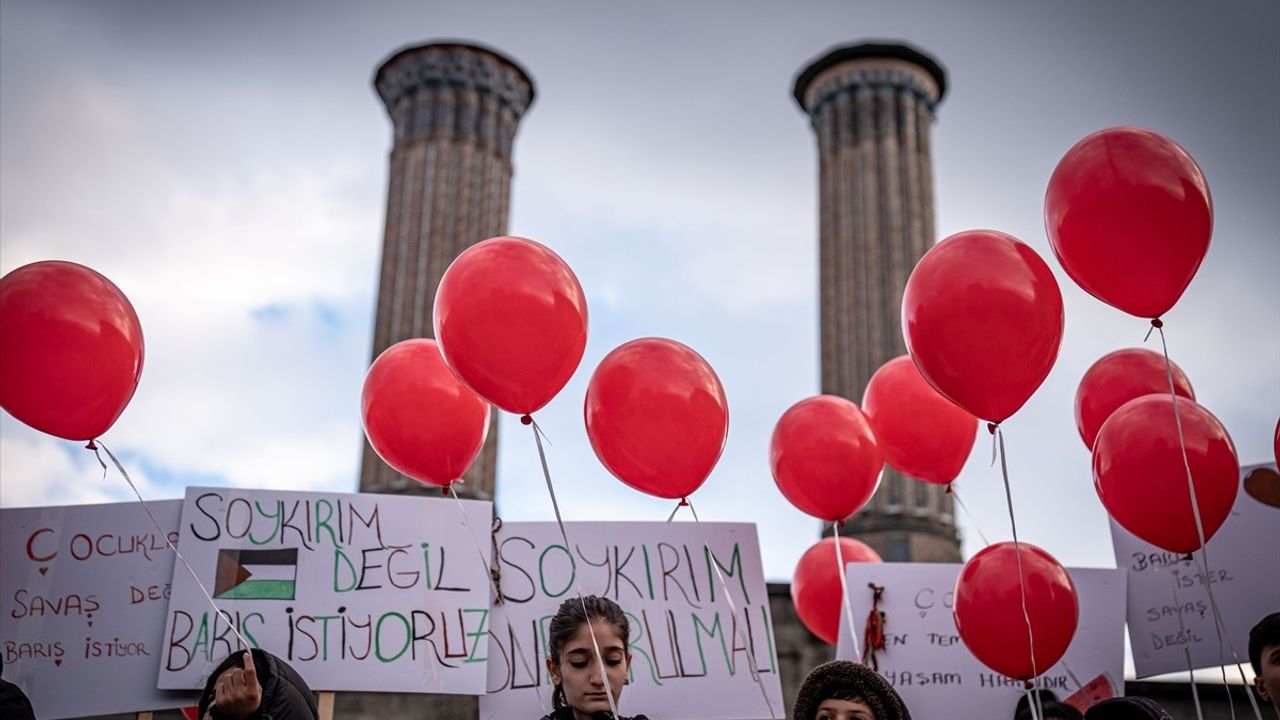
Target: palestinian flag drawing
x,y
256,574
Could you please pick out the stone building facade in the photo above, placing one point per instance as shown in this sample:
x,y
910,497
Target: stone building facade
x,y
872,109
454,110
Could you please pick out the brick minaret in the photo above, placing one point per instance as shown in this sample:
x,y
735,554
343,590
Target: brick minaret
x,y
872,109
455,109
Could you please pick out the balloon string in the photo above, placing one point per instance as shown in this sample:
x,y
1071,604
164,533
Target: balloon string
x,y
733,608
1218,623
217,611
1186,650
955,495
844,591
493,582
1032,699
573,563
675,510
1017,548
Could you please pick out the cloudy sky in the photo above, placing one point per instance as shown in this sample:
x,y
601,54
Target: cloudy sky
x,y
225,165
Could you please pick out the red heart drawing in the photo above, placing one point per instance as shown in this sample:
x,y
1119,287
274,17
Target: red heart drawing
x,y
44,570
1263,485
58,662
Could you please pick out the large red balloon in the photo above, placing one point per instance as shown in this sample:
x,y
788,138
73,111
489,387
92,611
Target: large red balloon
x,y
418,417
70,349
815,588
1129,216
1139,473
657,416
982,317
920,432
1118,378
988,609
511,321
825,458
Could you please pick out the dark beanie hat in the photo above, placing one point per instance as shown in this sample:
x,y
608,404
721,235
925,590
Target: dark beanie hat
x,y
843,676
1127,708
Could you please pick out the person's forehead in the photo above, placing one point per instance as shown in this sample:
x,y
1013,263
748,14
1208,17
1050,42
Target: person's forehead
x,y
606,635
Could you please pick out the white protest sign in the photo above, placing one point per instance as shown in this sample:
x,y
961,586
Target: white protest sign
x,y
83,591
928,664
1169,610
691,652
355,591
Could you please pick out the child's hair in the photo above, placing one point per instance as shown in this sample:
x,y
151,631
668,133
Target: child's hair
x,y
571,615
1265,634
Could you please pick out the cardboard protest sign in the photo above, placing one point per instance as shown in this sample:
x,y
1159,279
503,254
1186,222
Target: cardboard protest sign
x,y
355,591
691,653
927,662
83,591
1169,612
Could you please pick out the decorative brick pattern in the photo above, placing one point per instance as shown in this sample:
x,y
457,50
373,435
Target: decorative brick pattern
x,y
872,110
455,109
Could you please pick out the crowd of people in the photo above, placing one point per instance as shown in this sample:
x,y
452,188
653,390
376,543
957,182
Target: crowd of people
x,y
256,685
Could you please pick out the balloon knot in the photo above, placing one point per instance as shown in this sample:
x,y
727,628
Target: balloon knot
x,y
948,488
991,427
1157,323
1188,557
1028,685
444,490
526,419
90,446
684,502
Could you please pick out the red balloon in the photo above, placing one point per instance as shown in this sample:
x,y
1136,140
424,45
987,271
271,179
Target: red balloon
x,y
988,609
1139,473
1277,443
1118,378
920,432
511,321
657,416
1129,216
815,588
70,349
418,417
825,457
982,317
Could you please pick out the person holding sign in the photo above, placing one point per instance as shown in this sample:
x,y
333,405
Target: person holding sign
x,y
845,690
256,686
573,664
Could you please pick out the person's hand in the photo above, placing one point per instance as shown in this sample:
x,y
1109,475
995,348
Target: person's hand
x,y
237,693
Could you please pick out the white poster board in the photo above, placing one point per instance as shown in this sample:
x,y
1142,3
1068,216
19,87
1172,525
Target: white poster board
x,y
689,649
1169,610
355,591
83,591
928,664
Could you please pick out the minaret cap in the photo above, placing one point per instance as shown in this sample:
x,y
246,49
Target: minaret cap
x,y
870,50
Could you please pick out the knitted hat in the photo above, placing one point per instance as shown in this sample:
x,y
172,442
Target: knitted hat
x,y
843,676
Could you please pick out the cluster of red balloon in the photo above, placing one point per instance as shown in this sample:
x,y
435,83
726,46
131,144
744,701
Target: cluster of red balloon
x,y
1129,215
511,327
72,349
827,455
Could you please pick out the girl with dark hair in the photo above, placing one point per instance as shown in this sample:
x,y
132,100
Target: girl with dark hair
x,y
580,692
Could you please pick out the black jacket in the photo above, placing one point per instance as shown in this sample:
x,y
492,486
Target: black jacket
x,y
285,695
567,714
14,705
